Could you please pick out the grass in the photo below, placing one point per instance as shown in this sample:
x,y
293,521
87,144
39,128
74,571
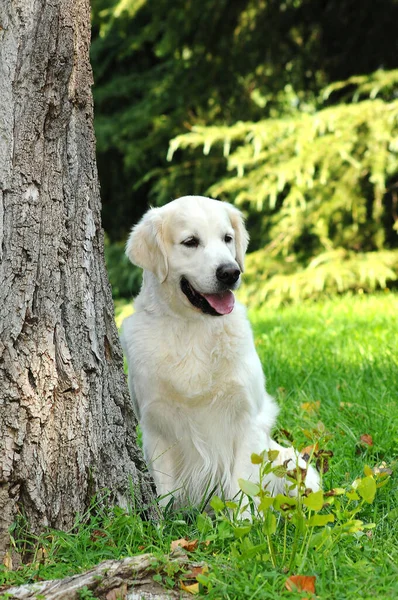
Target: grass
x,y
333,363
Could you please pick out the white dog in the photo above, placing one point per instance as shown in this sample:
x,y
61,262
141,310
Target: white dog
x,y
194,375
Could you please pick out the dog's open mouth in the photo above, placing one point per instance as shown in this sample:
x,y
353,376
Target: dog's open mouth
x,y
210,304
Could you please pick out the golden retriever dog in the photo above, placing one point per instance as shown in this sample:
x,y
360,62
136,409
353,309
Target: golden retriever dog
x,y
194,375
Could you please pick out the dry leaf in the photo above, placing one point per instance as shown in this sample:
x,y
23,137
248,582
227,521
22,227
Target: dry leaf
x,y
194,572
117,593
301,583
192,589
7,560
322,460
41,555
311,407
97,533
366,439
188,545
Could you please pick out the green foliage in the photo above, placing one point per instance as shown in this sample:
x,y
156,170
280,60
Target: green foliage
x,y
124,277
164,68
276,281
322,186
86,594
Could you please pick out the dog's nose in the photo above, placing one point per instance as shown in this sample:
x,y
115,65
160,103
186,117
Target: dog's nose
x,y
228,274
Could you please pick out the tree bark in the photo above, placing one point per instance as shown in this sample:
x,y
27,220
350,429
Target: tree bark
x,y
67,429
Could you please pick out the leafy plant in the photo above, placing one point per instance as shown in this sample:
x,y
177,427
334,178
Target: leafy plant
x,y
86,594
300,521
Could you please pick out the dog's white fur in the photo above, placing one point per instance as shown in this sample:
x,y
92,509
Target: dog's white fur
x,y
195,379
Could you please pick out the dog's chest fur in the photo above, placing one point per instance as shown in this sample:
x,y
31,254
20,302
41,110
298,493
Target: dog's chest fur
x,y
194,365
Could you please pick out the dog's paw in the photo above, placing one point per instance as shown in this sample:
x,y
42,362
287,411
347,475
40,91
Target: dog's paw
x,y
291,459
312,479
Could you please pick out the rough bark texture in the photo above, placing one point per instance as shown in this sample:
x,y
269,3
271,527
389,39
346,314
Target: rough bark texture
x,y
129,579
66,424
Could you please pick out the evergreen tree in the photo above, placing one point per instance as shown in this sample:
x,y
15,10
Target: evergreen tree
x,y
322,186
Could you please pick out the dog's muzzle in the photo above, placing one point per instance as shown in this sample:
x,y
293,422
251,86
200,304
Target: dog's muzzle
x,y
213,304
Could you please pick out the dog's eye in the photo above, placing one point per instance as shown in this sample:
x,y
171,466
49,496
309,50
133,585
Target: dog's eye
x,y
191,242
228,238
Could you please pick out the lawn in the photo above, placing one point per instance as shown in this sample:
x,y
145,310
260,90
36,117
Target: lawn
x,y
333,366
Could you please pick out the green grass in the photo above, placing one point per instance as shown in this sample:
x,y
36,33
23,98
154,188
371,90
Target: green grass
x,y
339,358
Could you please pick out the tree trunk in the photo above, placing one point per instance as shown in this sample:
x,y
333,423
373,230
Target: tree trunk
x,y
67,428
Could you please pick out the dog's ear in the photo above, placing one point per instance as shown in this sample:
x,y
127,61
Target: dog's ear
x,y
146,247
241,235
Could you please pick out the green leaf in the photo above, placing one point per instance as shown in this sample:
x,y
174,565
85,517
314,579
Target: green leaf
x,y
248,487
217,504
367,470
336,492
273,455
352,495
354,526
314,501
367,489
320,520
242,530
257,459
282,502
269,525
321,537
265,503
204,523
279,471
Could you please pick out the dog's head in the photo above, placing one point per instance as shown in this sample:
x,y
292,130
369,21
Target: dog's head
x,y
195,246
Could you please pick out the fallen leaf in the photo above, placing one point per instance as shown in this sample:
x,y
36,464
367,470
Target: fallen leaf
x,y
301,583
117,593
366,439
194,572
188,545
191,589
7,560
311,407
97,533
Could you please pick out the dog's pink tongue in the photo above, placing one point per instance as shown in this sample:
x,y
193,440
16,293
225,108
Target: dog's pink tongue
x,y
222,303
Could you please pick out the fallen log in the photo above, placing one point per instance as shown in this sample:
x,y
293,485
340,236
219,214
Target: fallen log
x,y
129,579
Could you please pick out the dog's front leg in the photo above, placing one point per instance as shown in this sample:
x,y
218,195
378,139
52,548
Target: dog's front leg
x,y
162,460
